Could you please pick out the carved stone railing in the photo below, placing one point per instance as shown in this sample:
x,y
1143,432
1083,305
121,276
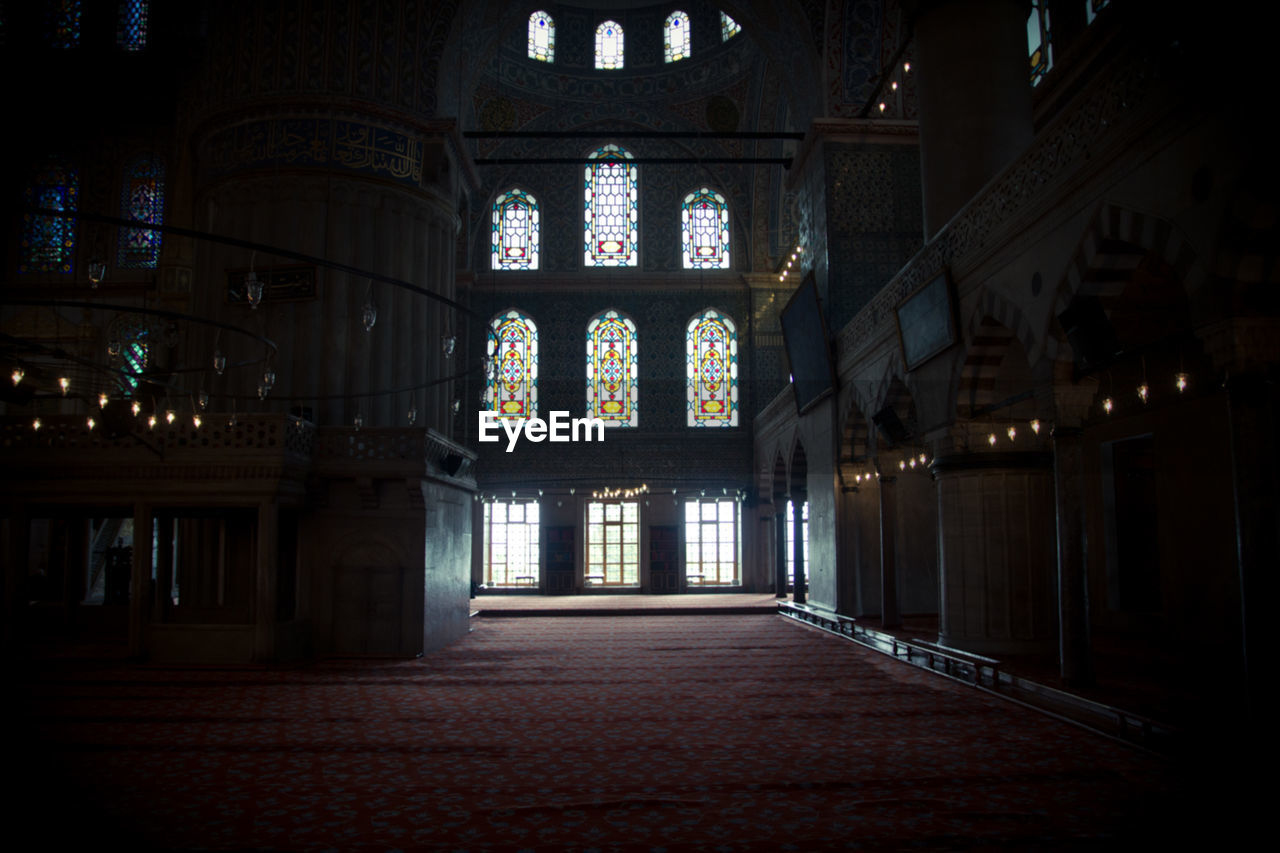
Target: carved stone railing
x,y
117,437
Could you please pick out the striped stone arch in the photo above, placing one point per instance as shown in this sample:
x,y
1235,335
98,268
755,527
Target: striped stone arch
x,y
994,324
1113,245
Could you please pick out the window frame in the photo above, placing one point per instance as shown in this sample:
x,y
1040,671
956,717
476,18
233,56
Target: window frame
x,y
603,527
717,524
693,372
629,416
532,538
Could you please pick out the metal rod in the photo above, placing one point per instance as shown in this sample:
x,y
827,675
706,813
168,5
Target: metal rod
x,y
630,134
693,161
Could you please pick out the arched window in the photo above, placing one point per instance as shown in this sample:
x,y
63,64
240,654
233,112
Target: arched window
x,y
131,28
613,375
728,27
516,227
704,219
142,198
711,356
513,379
612,209
609,46
64,23
678,44
49,242
1039,41
542,37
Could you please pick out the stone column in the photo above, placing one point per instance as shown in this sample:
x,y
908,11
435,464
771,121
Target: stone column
x,y
995,551
975,98
780,553
890,616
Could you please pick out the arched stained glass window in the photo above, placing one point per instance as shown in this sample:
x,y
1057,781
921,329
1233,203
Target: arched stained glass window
x,y
728,27
134,354
1039,41
609,46
711,353
704,221
49,242
516,229
677,44
1092,8
613,375
542,37
612,209
64,23
131,30
142,198
513,383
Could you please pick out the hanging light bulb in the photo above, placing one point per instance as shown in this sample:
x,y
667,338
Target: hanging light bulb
x,y
90,422
262,391
232,421
169,416
450,343
1107,405
1181,383
202,399
35,424
17,375
412,414
268,378
97,272
894,85
921,458
113,347
137,408
1143,392
906,66
913,462
1013,431
882,106
359,421
457,406
151,422
369,315
65,384
1035,425
991,439
102,401
253,289
219,361
195,420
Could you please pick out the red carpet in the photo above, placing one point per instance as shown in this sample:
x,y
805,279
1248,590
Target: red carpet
x,y
658,732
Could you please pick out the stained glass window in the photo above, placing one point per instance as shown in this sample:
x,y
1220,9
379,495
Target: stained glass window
x,y
804,538
131,30
1093,7
49,242
613,375
613,543
64,23
142,198
728,27
711,542
609,46
677,45
134,355
513,384
711,356
1039,41
511,543
542,37
704,220
612,209
516,227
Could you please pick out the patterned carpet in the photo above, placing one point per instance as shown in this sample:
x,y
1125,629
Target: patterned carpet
x,y
709,733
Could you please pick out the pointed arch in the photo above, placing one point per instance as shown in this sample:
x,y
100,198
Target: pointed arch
x,y
728,27
142,198
512,390
677,43
613,374
542,37
611,209
516,232
609,46
711,355
704,224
